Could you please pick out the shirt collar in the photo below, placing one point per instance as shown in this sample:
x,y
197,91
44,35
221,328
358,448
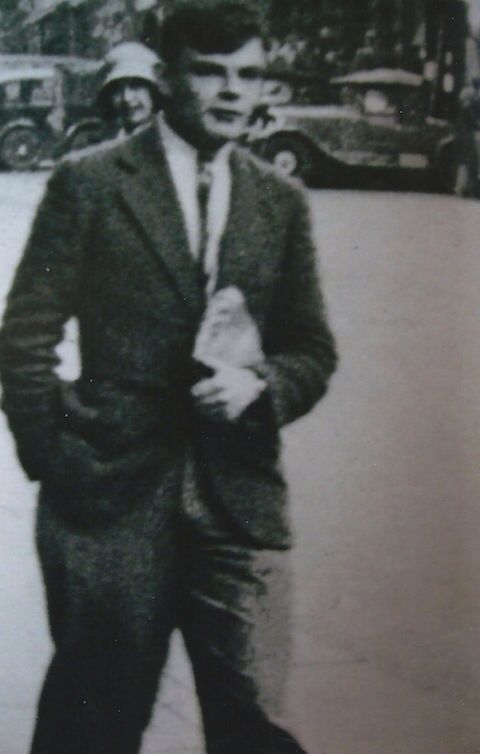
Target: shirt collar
x,y
175,144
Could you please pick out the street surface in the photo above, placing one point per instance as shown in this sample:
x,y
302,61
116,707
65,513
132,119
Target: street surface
x,y
385,485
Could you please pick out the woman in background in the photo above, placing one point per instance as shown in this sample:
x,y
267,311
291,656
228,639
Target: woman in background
x,y
130,94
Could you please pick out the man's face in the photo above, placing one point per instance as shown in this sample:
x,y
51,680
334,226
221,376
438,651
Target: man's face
x,y
132,102
211,97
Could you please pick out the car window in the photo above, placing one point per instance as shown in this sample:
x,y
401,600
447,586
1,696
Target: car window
x,y
377,102
38,92
28,92
11,91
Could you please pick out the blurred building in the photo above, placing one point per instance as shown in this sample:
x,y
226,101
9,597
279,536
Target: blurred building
x,y
69,27
318,38
341,36
446,34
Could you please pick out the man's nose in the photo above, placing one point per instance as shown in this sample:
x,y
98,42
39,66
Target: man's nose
x,y
231,85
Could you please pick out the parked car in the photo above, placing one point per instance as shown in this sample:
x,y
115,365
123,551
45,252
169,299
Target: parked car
x,y
42,107
379,129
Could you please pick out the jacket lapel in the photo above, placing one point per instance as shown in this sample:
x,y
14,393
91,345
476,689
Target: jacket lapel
x,y
248,247
147,189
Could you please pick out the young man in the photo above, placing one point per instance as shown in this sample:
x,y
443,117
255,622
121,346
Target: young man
x,y
162,501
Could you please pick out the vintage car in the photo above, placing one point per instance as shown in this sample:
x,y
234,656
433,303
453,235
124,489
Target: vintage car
x,y
379,129
43,107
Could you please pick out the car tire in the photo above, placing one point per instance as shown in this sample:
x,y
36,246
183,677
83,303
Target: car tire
x,y
290,156
21,148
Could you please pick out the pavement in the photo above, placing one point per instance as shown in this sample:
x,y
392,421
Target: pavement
x,y
385,486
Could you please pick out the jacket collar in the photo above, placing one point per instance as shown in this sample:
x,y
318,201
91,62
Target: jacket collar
x,y
148,191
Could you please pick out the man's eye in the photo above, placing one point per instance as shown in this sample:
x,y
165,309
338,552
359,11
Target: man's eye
x,y
251,74
205,69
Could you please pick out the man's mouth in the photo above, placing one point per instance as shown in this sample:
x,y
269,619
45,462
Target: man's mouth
x,y
225,115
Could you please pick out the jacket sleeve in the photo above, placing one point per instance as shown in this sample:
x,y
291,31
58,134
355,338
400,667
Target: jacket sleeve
x,y
42,298
299,346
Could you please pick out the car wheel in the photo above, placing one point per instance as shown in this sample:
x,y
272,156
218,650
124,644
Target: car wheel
x,y
21,148
290,156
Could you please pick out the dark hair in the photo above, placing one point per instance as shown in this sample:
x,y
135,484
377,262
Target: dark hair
x,y
220,27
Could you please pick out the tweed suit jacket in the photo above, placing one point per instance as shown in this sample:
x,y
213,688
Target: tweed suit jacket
x,y
109,247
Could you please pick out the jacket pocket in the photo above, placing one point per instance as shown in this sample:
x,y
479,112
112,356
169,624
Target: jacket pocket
x,y
90,489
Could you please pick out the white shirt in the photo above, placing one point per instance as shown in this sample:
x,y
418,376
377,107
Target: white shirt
x,y
182,161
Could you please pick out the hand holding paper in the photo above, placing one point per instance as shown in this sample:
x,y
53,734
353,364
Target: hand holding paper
x,y
229,342
228,334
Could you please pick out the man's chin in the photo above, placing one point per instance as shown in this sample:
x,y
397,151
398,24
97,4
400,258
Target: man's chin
x,y
225,131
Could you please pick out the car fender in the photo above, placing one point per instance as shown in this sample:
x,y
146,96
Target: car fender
x,y
448,142
292,133
19,122
81,124
445,166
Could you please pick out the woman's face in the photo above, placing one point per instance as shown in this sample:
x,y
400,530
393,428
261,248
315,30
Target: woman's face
x,y
132,102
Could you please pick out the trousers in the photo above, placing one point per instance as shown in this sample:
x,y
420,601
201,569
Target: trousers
x,y
114,597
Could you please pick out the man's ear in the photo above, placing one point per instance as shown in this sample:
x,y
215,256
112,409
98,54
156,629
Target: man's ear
x,y
163,80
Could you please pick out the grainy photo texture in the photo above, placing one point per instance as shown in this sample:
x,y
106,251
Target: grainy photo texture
x,y
237,357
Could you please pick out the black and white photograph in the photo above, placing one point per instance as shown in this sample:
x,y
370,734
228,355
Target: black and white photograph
x,y
239,348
